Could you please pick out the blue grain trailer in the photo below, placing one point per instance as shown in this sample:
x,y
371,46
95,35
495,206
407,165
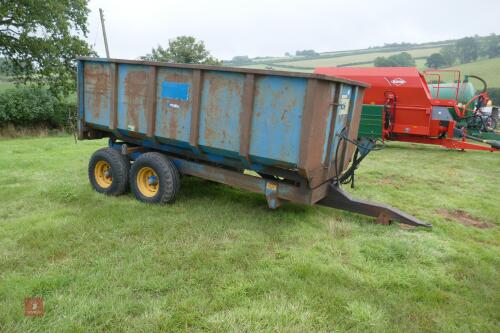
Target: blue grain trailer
x,y
296,133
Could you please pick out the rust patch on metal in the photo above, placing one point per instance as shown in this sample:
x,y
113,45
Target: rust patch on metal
x,y
213,110
209,133
236,70
197,88
332,109
219,110
97,81
247,100
306,126
152,100
174,123
136,83
257,99
383,219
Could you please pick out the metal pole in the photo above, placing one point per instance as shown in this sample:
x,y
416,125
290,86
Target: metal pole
x,y
104,33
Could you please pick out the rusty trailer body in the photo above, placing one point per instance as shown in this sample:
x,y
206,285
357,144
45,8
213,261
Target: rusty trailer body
x,y
292,129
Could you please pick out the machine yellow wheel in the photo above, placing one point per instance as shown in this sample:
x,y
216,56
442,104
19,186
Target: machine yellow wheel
x,y
154,178
102,174
109,171
147,182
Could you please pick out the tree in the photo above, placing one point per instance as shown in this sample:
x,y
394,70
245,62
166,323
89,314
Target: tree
x,y
491,46
449,54
436,60
394,45
5,67
240,60
466,49
403,59
183,49
40,40
384,62
306,53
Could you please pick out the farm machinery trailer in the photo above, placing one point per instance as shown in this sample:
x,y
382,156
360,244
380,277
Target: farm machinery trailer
x,y
296,133
401,105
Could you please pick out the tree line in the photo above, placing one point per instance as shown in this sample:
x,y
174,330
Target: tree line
x,y
465,50
403,59
39,41
462,51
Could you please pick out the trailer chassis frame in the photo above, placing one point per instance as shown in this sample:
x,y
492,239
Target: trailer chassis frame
x,y
276,191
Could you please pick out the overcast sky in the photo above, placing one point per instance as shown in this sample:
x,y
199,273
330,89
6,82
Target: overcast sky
x,y
271,27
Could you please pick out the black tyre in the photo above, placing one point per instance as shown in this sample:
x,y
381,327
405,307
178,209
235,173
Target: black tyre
x,y
154,179
475,122
108,171
490,123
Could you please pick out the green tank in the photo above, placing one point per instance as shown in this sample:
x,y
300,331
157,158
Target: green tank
x,y
449,91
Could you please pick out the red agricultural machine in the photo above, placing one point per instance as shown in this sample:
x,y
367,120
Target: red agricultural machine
x,y
403,104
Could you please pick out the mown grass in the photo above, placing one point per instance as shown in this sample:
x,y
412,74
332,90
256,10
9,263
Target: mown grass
x,y
219,260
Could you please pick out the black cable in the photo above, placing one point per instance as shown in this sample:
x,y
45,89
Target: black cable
x,y
357,144
341,136
348,176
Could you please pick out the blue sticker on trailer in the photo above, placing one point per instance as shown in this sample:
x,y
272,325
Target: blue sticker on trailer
x,y
175,90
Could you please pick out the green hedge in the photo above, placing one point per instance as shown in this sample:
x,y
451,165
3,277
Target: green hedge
x,y
31,106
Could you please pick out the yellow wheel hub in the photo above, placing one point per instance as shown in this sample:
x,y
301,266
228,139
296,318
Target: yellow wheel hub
x,y
102,174
147,182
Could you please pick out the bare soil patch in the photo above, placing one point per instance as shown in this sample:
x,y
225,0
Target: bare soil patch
x,y
464,218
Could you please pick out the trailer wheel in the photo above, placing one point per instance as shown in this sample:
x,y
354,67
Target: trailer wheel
x,y
154,179
108,171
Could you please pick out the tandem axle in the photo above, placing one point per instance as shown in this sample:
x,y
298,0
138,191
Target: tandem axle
x,y
154,178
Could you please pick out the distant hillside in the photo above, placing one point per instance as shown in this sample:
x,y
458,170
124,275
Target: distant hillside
x,y
489,69
343,58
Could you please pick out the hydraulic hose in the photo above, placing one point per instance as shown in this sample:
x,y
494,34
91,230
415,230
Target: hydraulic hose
x,y
485,85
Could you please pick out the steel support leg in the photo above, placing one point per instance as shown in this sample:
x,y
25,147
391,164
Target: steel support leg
x,y
337,198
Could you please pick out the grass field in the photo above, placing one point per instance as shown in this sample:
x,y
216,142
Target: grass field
x,y
488,69
219,260
334,61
